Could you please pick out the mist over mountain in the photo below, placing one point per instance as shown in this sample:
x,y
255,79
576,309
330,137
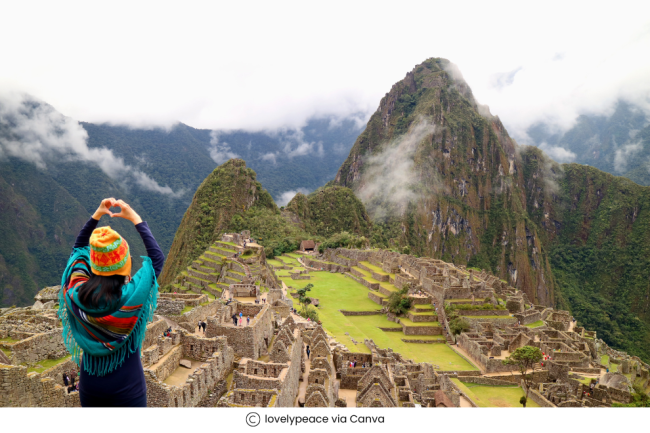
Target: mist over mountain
x,y
618,143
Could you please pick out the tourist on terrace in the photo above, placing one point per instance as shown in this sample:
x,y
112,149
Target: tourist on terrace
x,y
105,310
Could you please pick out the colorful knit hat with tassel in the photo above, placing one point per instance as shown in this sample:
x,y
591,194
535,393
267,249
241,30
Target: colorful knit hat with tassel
x,y
109,253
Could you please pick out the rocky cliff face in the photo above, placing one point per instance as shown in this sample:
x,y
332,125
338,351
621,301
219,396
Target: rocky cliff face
x,y
440,165
230,189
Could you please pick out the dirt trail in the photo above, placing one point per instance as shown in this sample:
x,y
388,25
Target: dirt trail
x,y
464,402
302,389
350,396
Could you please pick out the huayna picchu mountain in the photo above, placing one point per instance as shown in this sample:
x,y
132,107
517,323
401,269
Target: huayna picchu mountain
x,y
231,199
438,173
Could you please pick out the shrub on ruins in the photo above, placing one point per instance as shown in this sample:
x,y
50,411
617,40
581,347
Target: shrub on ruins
x,y
311,314
525,358
450,311
399,302
458,325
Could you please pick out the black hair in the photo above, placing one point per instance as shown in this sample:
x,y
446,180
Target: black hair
x,y
101,288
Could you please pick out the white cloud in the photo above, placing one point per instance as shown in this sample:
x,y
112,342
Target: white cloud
x,y
35,132
286,196
623,155
272,157
389,182
558,153
220,152
546,62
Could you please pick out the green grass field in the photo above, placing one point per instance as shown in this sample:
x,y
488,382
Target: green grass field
x,y
48,363
494,396
536,324
336,292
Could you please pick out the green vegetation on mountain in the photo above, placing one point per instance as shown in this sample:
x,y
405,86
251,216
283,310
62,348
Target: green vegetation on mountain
x,y
331,210
230,189
39,222
597,227
231,200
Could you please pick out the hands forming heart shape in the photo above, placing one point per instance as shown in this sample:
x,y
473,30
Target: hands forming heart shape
x,y
126,211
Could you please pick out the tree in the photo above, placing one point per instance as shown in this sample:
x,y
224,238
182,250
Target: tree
x,y
525,358
523,401
399,302
303,298
458,325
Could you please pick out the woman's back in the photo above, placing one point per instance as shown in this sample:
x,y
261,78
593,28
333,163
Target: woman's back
x,y
105,311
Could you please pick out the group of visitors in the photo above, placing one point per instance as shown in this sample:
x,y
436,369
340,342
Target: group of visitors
x,y
592,385
168,332
202,325
69,380
238,320
260,301
546,358
353,364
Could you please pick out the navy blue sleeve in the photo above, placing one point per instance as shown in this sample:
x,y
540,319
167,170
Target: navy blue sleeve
x,y
83,238
153,250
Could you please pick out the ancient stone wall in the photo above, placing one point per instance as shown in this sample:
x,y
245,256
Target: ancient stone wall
x,y
170,307
163,369
39,347
200,313
247,341
196,388
361,313
201,348
21,389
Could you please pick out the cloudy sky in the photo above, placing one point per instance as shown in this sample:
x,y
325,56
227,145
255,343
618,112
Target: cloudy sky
x,y
265,65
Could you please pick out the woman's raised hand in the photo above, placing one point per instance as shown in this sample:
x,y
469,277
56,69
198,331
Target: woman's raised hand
x,y
104,208
126,212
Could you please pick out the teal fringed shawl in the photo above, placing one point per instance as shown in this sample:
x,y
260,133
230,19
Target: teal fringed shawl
x,y
108,334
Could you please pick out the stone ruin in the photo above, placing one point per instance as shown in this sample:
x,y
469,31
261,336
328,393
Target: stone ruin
x,y
264,362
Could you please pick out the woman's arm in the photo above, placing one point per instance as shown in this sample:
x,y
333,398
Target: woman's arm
x,y
153,250
83,238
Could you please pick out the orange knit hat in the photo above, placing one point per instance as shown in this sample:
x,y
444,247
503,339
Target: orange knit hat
x,y
109,253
